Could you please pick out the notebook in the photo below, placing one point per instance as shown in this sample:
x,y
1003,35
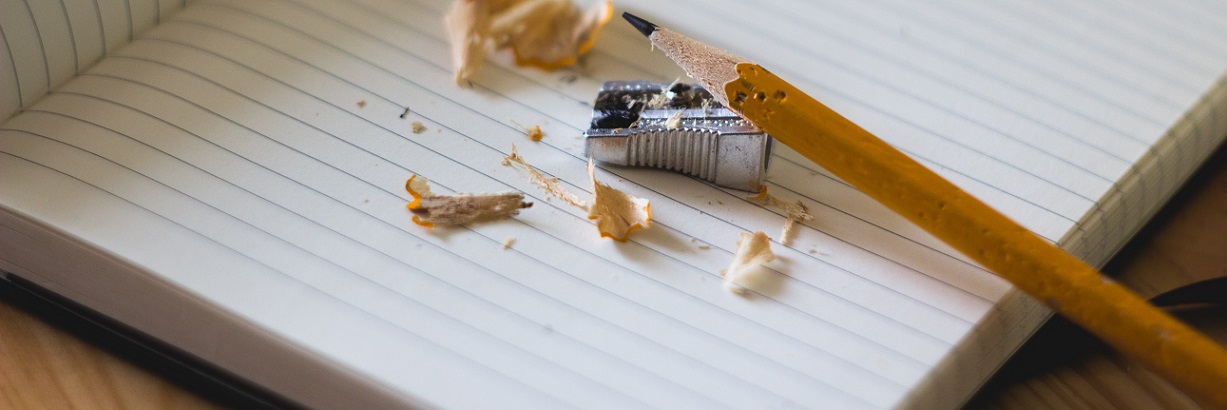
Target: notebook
x,y
227,177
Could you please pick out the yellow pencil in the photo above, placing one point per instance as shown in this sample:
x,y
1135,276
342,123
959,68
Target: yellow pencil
x,y
1062,282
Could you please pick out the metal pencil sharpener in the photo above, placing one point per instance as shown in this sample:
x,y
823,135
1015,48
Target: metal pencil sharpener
x,y
677,127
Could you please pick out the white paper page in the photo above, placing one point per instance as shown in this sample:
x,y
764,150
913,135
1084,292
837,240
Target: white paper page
x,y
48,42
240,122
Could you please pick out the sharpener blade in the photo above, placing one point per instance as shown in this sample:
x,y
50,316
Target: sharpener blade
x,y
677,127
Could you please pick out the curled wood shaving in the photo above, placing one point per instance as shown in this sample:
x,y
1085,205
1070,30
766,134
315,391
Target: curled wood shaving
x,y
430,210
797,212
542,33
753,250
616,213
550,185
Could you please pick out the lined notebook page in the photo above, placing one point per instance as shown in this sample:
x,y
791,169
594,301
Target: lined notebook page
x,y
235,128
48,42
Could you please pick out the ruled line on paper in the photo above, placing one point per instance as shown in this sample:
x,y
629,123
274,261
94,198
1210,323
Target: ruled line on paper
x,y
952,71
970,35
72,39
1101,55
1178,69
54,42
1156,39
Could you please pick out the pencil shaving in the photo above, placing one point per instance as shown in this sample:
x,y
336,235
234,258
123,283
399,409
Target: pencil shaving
x,y
796,212
661,101
753,250
616,213
631,101
444,210
700,245
550,185
534,132
418,128
674,121
541,33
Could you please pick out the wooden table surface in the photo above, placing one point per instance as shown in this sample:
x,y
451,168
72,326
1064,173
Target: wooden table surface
x,y
42,367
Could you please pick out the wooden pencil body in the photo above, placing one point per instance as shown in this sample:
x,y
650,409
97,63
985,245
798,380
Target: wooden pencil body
x,y
1031,263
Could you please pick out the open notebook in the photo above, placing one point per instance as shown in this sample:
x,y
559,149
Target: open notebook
x,y
227,176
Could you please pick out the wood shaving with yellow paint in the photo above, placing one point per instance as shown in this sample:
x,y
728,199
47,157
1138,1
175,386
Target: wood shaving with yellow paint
x,y
444,210
548,34
616,213
534,132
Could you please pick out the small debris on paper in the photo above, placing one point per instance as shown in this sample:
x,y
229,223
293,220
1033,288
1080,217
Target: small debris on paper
x,y
361,103
534,132
550,185
430,210
542,33
616,213
700,245
508,242
753,250
405,114
418,128
797,212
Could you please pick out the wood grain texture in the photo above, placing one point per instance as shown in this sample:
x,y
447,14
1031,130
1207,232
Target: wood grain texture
x,y
1189,245
42,367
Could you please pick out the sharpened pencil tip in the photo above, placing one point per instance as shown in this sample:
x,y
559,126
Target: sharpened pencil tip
x,y
644,26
